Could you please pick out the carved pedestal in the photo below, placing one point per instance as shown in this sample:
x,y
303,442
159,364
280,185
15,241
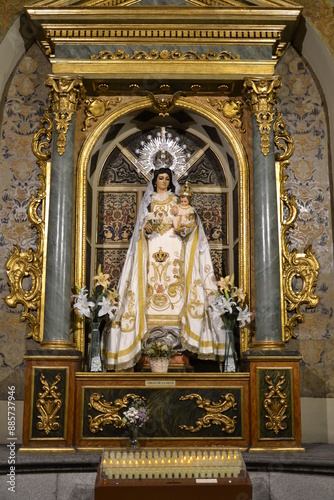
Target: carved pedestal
x,y
185,409
49,400
275,399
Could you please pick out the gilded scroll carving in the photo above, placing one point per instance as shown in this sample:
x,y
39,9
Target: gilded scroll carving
x,y
214,413
49,404
95,108
261,96
165,55
66,93
109,411
29,265
275,405
232,109
300,268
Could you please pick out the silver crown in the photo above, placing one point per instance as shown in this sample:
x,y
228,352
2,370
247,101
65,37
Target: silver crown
x,y
160,152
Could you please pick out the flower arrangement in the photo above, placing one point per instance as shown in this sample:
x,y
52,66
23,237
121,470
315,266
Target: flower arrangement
x,y
101,303
159,349
230,302
136,414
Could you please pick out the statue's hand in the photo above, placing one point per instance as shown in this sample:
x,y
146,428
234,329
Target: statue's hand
x,y
174,210
179,230
148,227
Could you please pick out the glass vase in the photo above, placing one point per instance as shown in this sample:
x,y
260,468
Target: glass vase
x,y
133,435
95,360
230,358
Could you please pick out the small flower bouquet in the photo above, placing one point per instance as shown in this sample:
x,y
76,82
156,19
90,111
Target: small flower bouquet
x,y
159,350
134,417
230,303
136,414
103,301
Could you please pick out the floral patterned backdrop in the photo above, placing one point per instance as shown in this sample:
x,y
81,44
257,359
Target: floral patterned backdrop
x,y
305,115
308,180
25,104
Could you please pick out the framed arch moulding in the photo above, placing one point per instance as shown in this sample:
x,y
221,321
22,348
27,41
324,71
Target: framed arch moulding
x,y
204,71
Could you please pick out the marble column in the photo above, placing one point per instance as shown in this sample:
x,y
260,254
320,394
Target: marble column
x,y
261,95
65,96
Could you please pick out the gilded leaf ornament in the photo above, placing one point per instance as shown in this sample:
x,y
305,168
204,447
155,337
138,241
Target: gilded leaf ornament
x,y
108,411
29,265
296,266
65,94
232,109
95,108
214,413
165,55
49,404
261,96
275,405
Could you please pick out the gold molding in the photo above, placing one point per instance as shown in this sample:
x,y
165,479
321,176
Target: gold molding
x,y
196,106
65,95
165,55
214,413
260,95
95,108
295,265
31,264
232,109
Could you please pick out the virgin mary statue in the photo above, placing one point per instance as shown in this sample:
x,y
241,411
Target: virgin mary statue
x,y
167,281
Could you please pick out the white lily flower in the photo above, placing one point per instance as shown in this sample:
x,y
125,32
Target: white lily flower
x,y
106,308
244,316
82,304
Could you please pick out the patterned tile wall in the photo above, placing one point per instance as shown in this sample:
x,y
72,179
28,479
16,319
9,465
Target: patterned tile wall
x,y
305,114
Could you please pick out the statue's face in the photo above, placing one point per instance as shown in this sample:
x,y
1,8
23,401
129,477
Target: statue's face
x,y
184,201
163,182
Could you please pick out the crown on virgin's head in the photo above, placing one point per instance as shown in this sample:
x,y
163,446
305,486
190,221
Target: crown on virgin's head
x,y
160,152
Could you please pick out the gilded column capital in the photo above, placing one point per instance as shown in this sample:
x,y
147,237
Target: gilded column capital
x,y
65,95
260,95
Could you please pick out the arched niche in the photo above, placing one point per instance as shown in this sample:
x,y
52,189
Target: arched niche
x,y
107,177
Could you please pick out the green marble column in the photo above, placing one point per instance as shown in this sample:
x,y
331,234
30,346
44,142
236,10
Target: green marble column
x,y
65,96
261,97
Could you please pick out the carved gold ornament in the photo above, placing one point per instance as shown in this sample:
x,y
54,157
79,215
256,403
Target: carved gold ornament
x,y
48,404
164,103
297,267
165,55
232,109
95,108
275,405
261,96
214,413
109,412
28,265
65,96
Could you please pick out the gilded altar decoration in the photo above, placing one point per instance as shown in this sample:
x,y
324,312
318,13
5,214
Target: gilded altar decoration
x,y
214,413
29,265
164,103
65,96
165,55
109,411
49,404
275,405
232,109
95,108
261,96
301,267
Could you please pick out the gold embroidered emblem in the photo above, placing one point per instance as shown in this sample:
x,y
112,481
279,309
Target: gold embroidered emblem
x,y
160,256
